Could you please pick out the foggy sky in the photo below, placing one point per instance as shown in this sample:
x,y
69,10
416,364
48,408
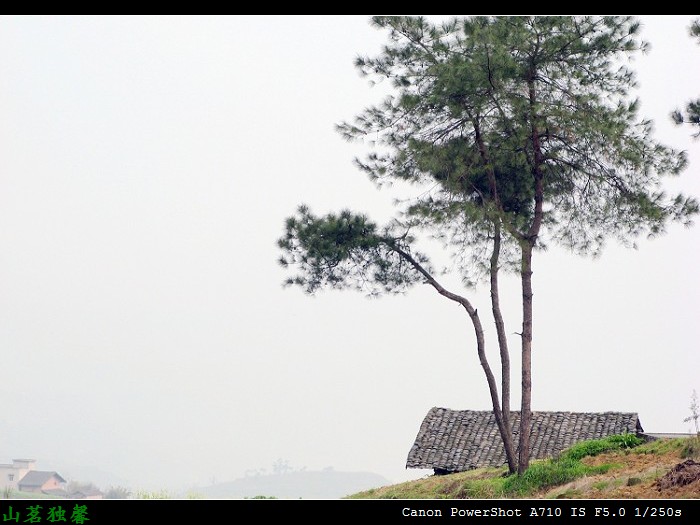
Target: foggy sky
x,y
146,168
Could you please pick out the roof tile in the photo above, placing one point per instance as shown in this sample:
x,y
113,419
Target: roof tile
x,y
458,440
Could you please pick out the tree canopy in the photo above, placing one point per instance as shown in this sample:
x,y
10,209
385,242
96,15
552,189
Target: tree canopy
x,y
691,112
469,94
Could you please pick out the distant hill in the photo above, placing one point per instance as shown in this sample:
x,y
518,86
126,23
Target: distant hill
x,y
326,484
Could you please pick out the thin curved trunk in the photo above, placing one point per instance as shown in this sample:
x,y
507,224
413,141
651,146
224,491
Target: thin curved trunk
x,y
506,428
503,348
503,427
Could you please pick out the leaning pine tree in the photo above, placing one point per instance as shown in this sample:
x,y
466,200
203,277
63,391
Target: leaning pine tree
x,y
515,131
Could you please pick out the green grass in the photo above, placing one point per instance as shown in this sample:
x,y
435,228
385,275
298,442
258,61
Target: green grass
x,y
494,483
598,446
661,446
568,466
601,485
549,473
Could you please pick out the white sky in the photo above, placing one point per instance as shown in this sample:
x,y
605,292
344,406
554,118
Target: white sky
x,y
146,168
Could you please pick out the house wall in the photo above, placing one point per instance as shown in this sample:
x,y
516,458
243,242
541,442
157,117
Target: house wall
x,y
51,483
8,477
11,474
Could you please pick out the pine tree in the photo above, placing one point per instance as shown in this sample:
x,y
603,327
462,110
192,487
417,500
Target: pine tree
x,y
518,132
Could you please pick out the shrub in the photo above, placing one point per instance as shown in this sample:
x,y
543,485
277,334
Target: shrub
x,y
598,446
691,448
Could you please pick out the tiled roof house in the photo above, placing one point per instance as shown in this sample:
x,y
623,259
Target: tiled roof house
x,y
459,440
41,481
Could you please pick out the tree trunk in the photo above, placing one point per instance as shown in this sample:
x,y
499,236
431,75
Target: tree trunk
x,y
506,434
527,244
525,409
504,424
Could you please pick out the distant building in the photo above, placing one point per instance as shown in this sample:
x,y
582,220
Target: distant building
x,y
20,475
87,493
459,440
42,481
12,473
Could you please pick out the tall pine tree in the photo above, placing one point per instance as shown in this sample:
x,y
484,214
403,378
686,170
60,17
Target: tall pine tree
x,y
517,131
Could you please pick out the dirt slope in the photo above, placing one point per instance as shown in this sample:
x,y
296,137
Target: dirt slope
x,y
637,476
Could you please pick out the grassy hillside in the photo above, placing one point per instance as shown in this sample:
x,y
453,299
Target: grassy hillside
x,y
616,467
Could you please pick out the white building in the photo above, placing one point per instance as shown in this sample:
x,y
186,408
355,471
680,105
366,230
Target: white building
x,y
11,474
